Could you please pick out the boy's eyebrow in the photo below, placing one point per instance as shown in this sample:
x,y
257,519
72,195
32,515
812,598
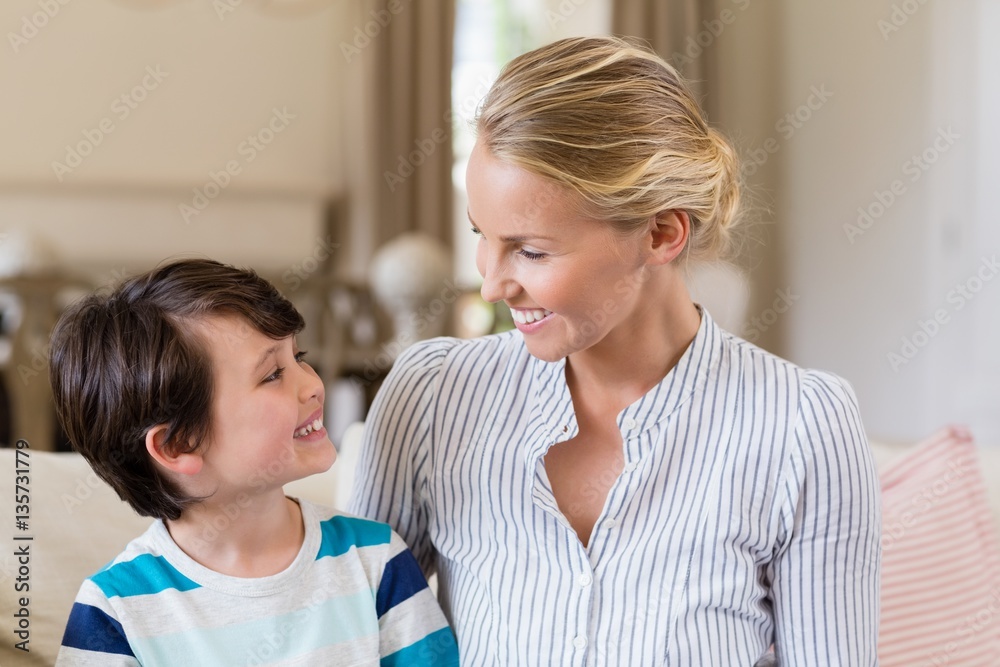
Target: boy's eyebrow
x,y
266,355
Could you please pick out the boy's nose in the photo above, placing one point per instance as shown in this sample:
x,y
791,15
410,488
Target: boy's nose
x,y
311,385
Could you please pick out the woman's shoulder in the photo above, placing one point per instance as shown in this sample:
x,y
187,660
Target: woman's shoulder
x,y
475,354
808,394
819,408
771,368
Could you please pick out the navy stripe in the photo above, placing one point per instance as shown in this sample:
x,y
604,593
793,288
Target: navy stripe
x,y
401,580
90,629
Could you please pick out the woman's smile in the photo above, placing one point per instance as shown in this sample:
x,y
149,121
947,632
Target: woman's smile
x,y
529,320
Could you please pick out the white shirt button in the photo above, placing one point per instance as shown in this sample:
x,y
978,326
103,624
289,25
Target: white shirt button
x,y
609,523
629,467
584,580
630,423
580,642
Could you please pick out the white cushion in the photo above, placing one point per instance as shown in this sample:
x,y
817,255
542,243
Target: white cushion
x,y
886,454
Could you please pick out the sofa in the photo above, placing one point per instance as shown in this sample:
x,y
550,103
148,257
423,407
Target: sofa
x,y
77,524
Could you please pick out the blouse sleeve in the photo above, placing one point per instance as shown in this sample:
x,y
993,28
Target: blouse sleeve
x,y
392,473
825,572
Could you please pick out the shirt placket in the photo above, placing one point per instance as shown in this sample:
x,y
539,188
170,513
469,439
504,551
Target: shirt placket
x,y
611,521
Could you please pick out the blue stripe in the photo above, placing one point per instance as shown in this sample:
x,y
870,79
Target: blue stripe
x,y
437,649
401,580
340,533
143,575
90,629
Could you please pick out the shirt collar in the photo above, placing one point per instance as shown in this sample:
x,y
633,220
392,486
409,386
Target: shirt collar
x,y
553,409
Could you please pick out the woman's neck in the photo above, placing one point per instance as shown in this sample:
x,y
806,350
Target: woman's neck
x,y
249,536
637,355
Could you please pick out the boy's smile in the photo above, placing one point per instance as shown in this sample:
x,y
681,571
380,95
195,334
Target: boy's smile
x,y
267,411
311,427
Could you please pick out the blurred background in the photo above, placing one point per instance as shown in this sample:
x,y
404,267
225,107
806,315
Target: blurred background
x,y
323,143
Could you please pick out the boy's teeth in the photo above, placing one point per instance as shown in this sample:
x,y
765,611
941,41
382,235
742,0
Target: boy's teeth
x,y
316,425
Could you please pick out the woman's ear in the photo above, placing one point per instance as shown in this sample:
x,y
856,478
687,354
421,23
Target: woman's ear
x,y
186,463
669,233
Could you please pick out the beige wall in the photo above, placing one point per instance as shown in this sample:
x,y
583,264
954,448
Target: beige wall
x,y
890,95
256,89
854,302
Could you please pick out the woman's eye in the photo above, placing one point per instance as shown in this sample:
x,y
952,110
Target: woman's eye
x,y
300,356
533,256
475,230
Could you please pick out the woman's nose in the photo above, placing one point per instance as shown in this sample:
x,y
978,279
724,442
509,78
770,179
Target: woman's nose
x,y
498,284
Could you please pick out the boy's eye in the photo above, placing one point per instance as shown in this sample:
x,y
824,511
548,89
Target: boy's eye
x,y
475,230
276,375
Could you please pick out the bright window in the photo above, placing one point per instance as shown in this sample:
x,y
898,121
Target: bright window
x,y
489,33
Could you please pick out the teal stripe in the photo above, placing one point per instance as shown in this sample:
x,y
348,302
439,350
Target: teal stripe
x,y
340,533
143,575
437,649
342,619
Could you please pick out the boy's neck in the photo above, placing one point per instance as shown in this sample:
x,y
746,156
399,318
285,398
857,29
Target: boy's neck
x,y
255,536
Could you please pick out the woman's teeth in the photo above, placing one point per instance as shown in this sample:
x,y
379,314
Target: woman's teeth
x,y
316,425
529,316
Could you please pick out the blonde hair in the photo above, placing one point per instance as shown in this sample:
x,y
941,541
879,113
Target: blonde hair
x,y
615,123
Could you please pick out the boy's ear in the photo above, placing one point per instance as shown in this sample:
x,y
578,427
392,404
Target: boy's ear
x,y
186,463
669,232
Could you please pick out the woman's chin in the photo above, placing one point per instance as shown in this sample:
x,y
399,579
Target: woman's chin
x,y
549,353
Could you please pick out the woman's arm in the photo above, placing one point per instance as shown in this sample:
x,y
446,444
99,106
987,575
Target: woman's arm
x,y
825,573
391,477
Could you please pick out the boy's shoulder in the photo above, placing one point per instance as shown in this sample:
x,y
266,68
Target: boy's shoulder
x,y
342,530
143,567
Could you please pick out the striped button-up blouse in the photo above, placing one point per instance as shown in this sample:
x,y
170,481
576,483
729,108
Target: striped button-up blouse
x,y
747,513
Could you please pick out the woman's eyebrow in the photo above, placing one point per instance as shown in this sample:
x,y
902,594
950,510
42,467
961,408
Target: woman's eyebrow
x,y
517,238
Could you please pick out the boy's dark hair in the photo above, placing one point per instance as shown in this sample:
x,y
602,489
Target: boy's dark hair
x,y
126,361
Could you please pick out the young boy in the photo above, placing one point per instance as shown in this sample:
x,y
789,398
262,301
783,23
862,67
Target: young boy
x,y
186,392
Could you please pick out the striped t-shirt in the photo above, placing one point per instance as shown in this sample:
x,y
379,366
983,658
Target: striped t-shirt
x,y
353,596
747,512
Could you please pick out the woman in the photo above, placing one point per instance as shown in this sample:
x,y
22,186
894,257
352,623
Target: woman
x,y
619,481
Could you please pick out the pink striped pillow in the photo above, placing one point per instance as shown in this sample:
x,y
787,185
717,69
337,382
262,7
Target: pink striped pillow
x,y
940,559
